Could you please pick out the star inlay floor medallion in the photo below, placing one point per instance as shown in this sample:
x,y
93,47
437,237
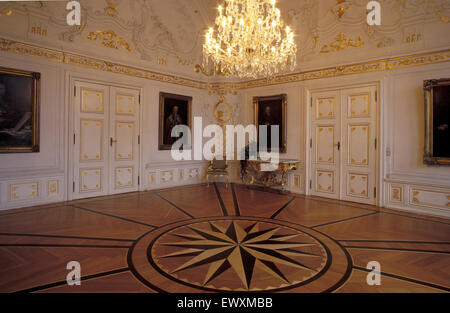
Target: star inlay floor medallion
x,y
238,255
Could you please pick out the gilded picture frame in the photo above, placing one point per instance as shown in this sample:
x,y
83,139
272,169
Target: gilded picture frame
x,y
437,121
276,107
173,110
19,111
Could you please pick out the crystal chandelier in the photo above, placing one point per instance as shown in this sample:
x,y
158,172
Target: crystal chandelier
x,y
249,40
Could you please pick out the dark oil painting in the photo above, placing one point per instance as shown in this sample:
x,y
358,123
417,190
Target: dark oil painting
x,y
271,111
19,111
173,110
437,121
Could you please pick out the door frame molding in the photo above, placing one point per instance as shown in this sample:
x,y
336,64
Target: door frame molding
x,y
71,78
379,168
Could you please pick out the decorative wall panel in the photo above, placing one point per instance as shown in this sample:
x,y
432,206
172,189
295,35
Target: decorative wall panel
x,y
325,108
152,178
90,180
23,191
124,177
52,188
297,179
359,105
429,198
91,101
124,136
167,176
325,181
358,185
325,144
125,104
358,141
194,173
396,193
91,139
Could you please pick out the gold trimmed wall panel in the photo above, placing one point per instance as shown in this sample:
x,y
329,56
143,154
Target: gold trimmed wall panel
x,y
23,191
52,188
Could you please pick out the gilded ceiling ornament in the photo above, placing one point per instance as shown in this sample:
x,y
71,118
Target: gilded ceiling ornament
x,y
110,39
339,9
111,9
222,89
341,43
184,62
5,12
39,31
214,71
316,40
162,61
442,10
413,37
73,31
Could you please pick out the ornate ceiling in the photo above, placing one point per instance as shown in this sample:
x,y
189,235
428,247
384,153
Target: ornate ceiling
x,y
167,36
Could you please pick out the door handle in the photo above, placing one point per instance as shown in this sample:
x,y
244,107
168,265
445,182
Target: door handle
x,y
111,141
338,145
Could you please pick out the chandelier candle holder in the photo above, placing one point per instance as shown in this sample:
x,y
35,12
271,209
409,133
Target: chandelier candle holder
x,y
249,40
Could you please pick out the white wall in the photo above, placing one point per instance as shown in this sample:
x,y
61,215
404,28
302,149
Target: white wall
x,y
295,135
30,178
409,183
405,182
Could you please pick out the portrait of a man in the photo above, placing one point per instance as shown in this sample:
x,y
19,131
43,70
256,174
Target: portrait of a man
x,y
19,111
174,110
172,120
271,111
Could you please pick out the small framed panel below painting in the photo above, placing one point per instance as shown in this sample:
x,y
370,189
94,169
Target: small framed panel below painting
x,y
19,111
173,110
271,111
437,121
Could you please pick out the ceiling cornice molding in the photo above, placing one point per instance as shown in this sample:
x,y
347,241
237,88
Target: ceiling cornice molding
x,y
385,64
59,56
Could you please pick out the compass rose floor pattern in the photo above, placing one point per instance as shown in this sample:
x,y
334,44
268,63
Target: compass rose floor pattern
x,y
216,239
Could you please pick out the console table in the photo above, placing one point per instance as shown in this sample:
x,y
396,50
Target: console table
x,y
265,173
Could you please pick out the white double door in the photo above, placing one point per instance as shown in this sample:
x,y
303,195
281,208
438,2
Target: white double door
x,y
106,140
343,144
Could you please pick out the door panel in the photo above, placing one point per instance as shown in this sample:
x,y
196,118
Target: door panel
x,y
90,161
91,139
358,144
124,141
325,133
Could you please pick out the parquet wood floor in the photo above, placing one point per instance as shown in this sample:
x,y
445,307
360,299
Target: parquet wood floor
x,y
212,239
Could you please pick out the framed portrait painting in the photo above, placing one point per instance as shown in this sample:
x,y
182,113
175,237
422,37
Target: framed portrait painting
x,y
271,111
437,122
173,110
19,111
